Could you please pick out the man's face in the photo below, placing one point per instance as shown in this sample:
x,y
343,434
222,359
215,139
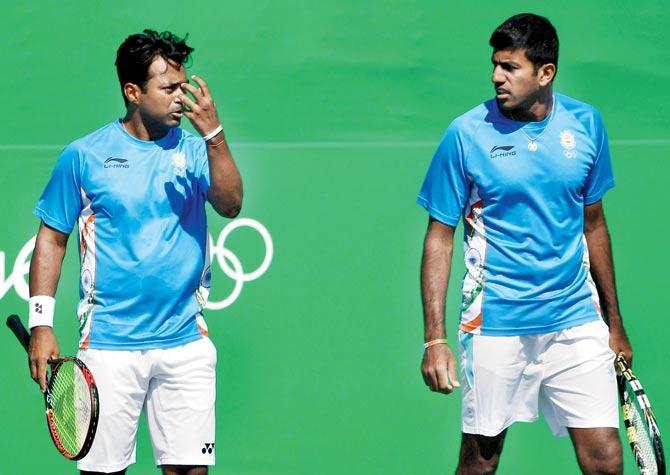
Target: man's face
x,y
516,82
159,102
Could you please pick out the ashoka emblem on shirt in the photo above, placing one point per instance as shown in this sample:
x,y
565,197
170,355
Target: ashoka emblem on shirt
x,y
179,160
473,260
568,140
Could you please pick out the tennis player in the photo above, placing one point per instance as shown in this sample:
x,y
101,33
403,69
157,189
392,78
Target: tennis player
x,y
137,189
527,172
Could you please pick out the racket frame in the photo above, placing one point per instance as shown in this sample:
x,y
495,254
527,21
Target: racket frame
x,y
94,401
14,323
626,376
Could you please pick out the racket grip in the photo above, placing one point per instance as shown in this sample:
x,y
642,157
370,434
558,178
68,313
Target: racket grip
x,y
15,325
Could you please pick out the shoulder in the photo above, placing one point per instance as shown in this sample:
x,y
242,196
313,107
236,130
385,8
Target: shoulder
x,y
470,121
464,128
83,144
583,113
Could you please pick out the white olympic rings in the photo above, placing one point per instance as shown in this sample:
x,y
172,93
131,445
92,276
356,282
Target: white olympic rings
x,y
224,255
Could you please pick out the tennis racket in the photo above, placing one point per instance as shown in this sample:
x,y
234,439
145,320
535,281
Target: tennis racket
x,y
640,423
71,400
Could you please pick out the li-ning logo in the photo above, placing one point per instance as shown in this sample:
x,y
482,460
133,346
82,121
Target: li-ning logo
x,y
114,162
502,151
208,448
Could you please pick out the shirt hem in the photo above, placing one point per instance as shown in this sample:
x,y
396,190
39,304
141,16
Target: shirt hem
x,y
492,432
209,461
436,213
147,345
538,330
52,222
595,197
93,467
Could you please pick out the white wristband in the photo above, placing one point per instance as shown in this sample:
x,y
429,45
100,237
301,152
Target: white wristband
x,y
41,311
213,133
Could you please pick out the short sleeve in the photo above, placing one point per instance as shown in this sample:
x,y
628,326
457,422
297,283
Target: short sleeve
x,y
60,203
446,187
600,178
202,166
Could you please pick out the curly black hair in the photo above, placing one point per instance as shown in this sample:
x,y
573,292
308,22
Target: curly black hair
x,y
531,32
136,53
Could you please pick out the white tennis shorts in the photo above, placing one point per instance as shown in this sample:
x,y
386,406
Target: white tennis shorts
x,y
569,374
177,389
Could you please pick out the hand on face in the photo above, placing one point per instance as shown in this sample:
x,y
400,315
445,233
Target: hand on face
x,y
202,110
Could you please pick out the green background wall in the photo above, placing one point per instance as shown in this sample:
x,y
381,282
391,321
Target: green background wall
x,y
333,110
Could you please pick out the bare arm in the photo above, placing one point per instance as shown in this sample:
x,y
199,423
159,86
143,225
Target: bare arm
x,y
439,365
602,271
45,267
225,190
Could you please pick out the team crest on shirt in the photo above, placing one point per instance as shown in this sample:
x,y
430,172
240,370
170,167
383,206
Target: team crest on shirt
x,y
179,163
86,280
568,143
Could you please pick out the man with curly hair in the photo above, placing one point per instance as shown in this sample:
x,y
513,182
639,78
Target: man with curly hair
x,y
137,188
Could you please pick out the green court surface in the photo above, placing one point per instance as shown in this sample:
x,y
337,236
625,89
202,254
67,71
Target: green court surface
x,y
333,111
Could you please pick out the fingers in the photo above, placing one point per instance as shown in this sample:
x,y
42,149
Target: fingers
x,y
33,369
185,100
443,383
439,370
628,356
202,84
446,378
43,347
38,370
452,373
192,89
42,373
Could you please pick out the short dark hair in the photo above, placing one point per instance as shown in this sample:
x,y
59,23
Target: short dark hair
x,y
136,53
531,32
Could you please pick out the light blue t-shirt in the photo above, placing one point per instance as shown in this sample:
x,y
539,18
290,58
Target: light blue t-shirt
x,y
523,211
140,209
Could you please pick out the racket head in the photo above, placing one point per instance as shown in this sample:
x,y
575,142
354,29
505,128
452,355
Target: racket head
x,y
72,407
640,422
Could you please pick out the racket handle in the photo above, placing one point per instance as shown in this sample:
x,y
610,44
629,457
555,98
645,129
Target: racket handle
x,y
15,325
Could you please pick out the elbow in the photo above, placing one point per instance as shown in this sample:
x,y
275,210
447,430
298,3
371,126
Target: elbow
x,y
231,209
232,212
228,204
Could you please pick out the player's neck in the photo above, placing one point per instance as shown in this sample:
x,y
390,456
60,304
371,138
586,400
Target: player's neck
x,y
536,111
138,128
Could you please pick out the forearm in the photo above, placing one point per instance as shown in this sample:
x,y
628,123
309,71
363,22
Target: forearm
x,y
435,270
602,271
225,191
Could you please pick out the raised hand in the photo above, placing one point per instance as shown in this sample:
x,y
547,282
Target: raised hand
x,y
202,113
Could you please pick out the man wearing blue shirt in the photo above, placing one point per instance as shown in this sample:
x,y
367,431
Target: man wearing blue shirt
x,y
137,189
526,172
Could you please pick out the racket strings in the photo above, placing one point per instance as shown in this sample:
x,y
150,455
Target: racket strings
x,y
71,406
638,433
